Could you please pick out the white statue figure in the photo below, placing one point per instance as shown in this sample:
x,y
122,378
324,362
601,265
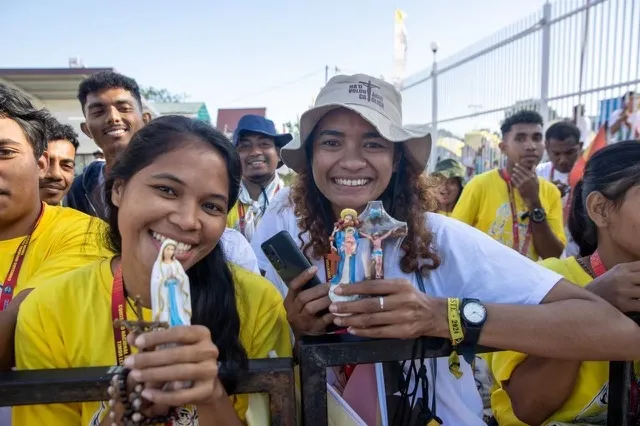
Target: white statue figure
x,y
170,291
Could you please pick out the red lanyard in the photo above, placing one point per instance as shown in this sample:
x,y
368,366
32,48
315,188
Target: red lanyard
x,y
553,169
598,269
241,212
11,280
119,312
515,228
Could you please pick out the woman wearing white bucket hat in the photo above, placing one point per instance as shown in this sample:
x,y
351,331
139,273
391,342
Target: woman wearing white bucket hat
x,y
353,149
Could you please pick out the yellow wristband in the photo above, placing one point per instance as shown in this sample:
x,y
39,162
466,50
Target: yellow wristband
x,y
455,323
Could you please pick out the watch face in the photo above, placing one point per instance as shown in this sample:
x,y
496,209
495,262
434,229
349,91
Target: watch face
x,y
537,215
474,313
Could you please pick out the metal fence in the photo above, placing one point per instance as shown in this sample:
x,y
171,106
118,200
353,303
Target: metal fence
x,y
570,53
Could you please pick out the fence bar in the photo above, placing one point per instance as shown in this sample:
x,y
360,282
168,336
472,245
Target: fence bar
x,y
316,353
273,376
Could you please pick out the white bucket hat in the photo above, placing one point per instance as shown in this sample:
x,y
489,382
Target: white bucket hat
x,y
377,101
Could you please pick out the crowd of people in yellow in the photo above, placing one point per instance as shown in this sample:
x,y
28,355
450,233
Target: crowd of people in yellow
x,y
77,253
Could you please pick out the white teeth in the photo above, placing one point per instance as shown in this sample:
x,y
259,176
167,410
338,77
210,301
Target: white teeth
x,y
182,247
255,163
352,182
116,132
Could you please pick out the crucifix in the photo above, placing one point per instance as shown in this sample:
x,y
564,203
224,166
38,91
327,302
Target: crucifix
x,y
139,325
377,226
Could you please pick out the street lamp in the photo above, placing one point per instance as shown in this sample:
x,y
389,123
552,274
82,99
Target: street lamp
x,y
434,108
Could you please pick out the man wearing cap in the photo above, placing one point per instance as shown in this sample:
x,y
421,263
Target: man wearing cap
x,y
453,174
258,145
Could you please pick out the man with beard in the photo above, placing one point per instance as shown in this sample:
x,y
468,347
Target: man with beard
x,y
258,145
513,205
62,143
112,107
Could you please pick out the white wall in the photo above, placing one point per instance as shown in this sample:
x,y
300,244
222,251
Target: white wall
x,y
69,112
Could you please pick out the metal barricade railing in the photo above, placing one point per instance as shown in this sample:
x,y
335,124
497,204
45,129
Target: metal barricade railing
x,y
317,353
273,376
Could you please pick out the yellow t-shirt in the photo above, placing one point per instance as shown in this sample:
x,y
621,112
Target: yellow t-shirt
x,y
588,402
48,335
484,204
65,239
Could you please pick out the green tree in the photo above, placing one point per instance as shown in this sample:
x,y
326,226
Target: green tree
x,y
293,127
156,95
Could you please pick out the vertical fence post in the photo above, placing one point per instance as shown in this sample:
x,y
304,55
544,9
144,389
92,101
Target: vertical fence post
x,y
434,110
545,60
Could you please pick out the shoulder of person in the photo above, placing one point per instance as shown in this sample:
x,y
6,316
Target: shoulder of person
x,y
543,169
69,287
475,265
281,201
254,292
549,187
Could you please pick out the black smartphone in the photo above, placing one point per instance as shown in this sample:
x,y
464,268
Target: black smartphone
x,y
287,259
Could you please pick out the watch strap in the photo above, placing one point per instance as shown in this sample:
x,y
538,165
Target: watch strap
x,y
471,334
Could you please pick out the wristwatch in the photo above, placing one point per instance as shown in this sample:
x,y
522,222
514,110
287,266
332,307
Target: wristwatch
x,y
473,315
538,215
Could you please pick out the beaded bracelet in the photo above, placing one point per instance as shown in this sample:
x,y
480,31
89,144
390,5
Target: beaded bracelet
x,y
132,403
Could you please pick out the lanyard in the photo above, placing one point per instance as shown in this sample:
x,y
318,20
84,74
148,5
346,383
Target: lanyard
x,y
598,269
11,280
515,229
241,211
119,312
553,169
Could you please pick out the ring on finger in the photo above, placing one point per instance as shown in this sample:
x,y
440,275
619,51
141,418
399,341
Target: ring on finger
x,y
381,300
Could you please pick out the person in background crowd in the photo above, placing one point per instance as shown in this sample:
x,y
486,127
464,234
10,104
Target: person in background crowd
x,y
562,141
112,107
512,205
37,241
259,146
98,155
177,179
624,123
353,149
452,173
539,390
62,143
583,123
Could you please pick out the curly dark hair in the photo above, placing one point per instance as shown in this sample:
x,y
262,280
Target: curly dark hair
x,y
407,198
57,131
104,80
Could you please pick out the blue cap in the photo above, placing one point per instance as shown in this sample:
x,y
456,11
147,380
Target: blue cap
x,y
259,124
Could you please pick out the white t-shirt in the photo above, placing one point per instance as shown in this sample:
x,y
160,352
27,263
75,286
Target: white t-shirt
x,y
625,132
238,251
473,266
544,170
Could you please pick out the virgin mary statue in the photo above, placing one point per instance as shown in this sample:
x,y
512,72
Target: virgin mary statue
x,y
170,291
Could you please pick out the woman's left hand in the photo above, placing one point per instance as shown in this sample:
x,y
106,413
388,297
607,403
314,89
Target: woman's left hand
x,y
396,309
194,360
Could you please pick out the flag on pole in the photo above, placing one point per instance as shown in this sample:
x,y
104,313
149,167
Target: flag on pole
x,y
399,47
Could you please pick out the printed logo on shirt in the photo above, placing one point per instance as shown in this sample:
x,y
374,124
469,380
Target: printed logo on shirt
x,y
501,230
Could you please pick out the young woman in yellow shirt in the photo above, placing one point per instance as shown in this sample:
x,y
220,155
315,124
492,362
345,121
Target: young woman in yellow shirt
x,y
604,222
177,179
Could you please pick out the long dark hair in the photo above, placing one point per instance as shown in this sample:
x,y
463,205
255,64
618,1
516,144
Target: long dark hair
x,y
612,171
212,288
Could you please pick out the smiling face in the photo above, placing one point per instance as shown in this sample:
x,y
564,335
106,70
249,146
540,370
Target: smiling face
x,y
523,144
20,173
112,117
448,191
352,164
181,195
259,156
59,177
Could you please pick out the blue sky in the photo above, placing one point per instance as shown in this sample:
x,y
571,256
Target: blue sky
x,y
244,53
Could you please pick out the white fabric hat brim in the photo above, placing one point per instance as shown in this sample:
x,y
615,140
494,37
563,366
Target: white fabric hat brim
x,y
417,138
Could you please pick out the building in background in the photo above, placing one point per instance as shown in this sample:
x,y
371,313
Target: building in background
x,y
228,118
56,89
197,110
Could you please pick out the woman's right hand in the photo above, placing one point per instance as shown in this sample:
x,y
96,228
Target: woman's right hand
x,y
303,306
620,286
